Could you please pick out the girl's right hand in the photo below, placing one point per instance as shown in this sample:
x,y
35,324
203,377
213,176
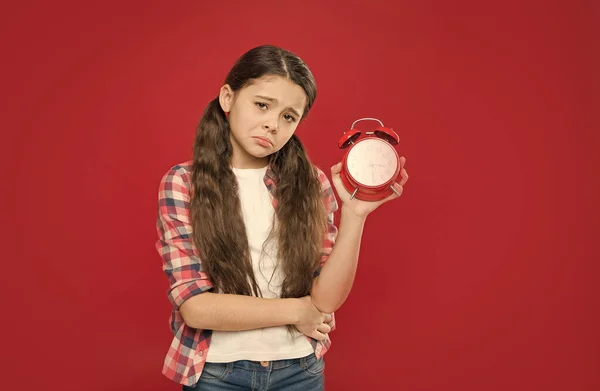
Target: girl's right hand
x,y
312,322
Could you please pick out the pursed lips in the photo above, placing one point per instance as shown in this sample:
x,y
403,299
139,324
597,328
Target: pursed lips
x,y
265,139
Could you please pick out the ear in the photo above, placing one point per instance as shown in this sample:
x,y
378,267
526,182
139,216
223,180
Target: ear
x,y
226,96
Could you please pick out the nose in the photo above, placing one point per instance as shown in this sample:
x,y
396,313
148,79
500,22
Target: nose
x,y
271,125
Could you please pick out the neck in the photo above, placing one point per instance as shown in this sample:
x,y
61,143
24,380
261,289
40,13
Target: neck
x,y
254,163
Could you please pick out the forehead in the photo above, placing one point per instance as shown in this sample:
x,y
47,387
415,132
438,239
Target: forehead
x,y
286,92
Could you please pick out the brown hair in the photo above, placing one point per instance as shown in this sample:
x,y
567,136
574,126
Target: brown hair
x,y
218,227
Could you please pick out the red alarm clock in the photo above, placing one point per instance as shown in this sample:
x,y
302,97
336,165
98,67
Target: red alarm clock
x,y
371,165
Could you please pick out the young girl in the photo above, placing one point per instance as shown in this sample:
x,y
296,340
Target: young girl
x,y
246,235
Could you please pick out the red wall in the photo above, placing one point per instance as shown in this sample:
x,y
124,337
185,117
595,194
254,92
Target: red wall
x,y
486,276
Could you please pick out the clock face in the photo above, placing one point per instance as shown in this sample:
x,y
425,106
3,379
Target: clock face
x,y
372,162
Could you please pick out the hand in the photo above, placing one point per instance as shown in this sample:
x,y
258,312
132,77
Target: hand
x,y
312,322
363,208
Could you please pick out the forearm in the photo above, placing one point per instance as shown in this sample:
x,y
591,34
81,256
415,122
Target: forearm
x,y
236,312
332,286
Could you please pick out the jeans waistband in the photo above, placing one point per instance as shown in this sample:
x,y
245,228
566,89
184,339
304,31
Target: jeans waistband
x,y
271,365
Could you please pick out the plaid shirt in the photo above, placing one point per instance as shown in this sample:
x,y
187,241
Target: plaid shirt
x,y
187,354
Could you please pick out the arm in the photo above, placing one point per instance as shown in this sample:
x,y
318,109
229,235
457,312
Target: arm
x,y
236,312
334,282
332,286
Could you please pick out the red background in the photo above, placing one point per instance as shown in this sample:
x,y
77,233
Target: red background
x,y
483,276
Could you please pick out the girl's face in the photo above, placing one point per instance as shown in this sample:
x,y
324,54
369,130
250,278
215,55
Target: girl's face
x,y
262,117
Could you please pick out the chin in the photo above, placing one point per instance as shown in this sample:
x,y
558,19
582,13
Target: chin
x,y
258,154
260,151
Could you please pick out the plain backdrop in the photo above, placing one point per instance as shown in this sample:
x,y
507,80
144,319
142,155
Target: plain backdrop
x,y
483,276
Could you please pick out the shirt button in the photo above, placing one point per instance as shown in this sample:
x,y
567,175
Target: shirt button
x,y
201,353
264,363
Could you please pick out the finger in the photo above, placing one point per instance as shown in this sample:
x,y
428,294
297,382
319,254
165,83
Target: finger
x,y
318,336
404,176
336,169
324,328
327,317
402,162
398,189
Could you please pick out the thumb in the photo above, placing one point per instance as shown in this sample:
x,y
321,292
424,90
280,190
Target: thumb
x,y
336,169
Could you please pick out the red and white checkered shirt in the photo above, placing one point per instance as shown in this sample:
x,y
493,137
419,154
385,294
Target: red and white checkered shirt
x,y
187,354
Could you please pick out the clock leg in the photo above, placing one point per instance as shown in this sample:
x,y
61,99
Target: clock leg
x,y
395,191
353,194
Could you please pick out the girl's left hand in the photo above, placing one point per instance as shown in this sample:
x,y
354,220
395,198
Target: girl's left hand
x,y
359,207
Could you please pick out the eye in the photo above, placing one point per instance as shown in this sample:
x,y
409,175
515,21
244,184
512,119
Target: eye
x,y
289,118
262,105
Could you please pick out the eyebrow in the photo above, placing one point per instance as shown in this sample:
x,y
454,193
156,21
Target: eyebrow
x,y
273,100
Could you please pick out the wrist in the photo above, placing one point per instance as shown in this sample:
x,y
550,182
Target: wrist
x,y
291,310
348,213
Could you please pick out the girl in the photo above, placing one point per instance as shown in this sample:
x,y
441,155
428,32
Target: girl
x,y
246,235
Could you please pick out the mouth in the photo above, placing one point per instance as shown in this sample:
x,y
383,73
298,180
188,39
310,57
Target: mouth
x,y
264,140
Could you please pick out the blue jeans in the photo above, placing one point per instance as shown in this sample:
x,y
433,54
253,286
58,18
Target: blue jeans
x,y
300,374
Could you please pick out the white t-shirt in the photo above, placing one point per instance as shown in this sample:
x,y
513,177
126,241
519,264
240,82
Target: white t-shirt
x,y
270,343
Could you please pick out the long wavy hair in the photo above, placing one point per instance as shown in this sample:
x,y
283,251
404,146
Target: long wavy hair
x,y
218,226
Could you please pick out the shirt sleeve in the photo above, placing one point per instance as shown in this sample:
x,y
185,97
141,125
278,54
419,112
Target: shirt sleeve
x,y
331,205
180,260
